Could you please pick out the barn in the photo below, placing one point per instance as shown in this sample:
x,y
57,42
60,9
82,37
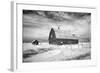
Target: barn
x,y
60,41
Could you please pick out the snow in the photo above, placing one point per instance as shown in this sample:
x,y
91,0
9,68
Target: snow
x,y
57,52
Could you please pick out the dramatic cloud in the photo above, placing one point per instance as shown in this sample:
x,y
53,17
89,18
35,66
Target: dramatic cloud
x,y
37,24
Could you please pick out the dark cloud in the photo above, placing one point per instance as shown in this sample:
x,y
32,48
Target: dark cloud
x,y
57,15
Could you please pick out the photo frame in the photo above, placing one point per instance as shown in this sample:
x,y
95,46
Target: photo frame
x,y
52,36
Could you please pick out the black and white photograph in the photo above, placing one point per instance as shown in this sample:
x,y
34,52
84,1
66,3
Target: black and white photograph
x,y
55,36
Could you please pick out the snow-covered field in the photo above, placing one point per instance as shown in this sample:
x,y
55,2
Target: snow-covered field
x,y
47,52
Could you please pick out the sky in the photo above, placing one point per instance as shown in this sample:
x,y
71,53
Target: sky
x,y
37,25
